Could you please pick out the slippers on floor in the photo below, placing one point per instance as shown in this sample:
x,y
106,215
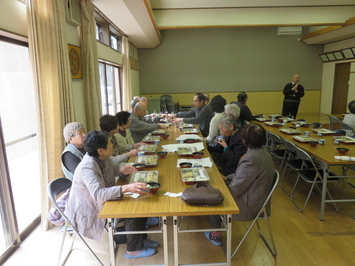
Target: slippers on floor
x,y
143,254
210,238
149,243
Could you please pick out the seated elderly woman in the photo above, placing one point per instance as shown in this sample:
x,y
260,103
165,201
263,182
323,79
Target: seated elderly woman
x,y
124,136
73,153
217,105
251,182
93,184
109,124
233,147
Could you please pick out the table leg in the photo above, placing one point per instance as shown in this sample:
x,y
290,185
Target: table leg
x,y
110,229
324,191
165,240
229,239
176,242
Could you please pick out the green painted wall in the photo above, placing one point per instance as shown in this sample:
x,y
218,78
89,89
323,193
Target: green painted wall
x,y
227,59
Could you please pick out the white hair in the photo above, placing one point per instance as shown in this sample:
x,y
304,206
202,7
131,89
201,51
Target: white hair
x,y
232,109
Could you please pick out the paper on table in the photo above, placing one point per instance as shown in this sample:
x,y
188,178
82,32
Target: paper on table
x,y
174,195
204,162
174,147
188,136
345,158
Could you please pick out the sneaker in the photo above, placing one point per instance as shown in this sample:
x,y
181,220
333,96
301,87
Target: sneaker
x,y
143,254
215,240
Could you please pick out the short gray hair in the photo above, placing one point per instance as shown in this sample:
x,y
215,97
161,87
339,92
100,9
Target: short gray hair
x,y
133,103
232,110
226,121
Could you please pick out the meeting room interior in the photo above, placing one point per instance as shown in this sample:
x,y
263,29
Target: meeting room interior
x,y
78,60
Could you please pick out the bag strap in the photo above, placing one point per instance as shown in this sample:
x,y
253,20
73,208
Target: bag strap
x,y
202,184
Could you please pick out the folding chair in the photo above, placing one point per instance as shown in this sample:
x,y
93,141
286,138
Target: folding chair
x,y
333,121
316,125
276,147
347,128
312,177
54,189
262,214
292,162
339,132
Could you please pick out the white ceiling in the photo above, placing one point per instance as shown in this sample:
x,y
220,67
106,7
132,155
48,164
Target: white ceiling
x,y
141,20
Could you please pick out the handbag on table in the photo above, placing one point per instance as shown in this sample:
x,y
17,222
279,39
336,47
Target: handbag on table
x,y
202,193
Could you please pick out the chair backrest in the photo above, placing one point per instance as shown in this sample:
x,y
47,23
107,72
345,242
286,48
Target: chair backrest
x,y
57,187
303,155
339,132
316,125
333,119
274,185
275,141
347,128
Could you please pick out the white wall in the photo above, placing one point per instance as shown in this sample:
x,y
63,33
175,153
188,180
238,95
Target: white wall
x,y
329,72
13,17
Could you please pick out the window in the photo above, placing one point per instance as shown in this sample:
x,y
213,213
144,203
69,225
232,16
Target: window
x,y
115,42
18,146
99,32
110,84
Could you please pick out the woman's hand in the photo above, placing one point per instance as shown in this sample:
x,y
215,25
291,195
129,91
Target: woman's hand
x,y
127,169
131,153
138,187
222,143
136,145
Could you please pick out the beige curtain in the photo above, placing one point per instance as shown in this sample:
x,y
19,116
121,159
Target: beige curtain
x,y
49,55
127,86
90,59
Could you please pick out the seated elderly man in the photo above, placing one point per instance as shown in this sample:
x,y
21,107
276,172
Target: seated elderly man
x,y
202,115
251,182
94,184
140,128
349,119
74,152
245,113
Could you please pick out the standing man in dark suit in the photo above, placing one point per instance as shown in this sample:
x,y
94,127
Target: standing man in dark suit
x,y
293,93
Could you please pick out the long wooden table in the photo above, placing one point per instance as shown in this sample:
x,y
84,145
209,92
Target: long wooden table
x,y
162,206
326,153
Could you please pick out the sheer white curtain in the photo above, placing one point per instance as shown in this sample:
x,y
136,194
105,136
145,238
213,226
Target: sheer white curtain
x,y
51,70
90,59
127,86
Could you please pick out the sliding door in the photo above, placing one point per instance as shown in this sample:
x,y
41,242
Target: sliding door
x,y
19,163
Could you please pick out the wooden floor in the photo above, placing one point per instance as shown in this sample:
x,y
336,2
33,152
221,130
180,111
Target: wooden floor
x,y
301,238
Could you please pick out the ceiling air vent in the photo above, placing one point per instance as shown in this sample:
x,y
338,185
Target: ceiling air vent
x,y
289,31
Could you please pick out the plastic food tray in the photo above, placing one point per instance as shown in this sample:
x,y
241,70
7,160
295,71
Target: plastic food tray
x,y
345,139
184,125
262,119
192,175
148,160
150,139
186,151
190,130
290,131
324,131
271,124
148,149
159,132
145,176
304,139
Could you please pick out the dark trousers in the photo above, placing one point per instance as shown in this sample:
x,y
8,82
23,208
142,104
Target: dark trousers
x,y
135,242
290,110
215,221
